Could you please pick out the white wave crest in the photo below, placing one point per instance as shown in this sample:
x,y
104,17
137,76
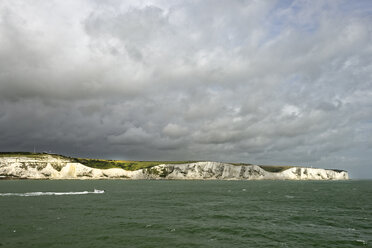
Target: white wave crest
x,y
96,191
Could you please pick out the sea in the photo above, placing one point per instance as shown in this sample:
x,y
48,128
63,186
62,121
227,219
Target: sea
x,y
170,213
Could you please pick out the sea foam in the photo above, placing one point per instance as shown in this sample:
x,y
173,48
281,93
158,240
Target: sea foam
x,y
96,191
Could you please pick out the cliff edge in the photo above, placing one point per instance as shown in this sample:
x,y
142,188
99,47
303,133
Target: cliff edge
x,y
58,167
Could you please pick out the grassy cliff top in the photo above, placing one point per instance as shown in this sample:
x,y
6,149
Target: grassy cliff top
x,y
29,155
126,164
96,163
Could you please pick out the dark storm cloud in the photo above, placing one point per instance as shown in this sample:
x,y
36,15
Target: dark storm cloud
x,y
268,82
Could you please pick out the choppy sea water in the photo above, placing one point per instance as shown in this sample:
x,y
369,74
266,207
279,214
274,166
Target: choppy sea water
x,y
185,213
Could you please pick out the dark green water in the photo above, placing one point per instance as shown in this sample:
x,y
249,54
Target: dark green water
x,y
187,214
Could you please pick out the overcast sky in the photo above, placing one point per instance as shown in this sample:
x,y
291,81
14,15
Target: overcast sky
x,y
266,82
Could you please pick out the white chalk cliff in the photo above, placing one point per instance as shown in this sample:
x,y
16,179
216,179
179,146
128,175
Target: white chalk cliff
x,y
49,167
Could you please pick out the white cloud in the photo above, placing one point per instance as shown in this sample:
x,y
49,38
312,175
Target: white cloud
x,y
291,111
174,130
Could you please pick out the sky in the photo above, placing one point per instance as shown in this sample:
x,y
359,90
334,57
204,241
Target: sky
x,y
263,82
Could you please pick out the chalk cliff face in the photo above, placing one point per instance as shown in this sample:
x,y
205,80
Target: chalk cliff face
x,y
49,167
215,170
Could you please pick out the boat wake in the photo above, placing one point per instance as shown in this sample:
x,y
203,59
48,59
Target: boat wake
x,y
96,191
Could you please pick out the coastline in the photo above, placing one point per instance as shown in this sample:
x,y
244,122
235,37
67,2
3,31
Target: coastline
x,y
49,167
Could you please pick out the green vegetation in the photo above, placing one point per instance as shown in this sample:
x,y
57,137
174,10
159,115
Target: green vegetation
x,y
240,164
275,168
136,165
30,155
21,154
269,168
164,172
124,164
57,166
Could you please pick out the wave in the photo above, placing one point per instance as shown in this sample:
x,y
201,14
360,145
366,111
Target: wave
x,y
96,191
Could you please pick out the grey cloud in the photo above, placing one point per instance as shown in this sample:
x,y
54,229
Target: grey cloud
x,y
242,81
174,130
132,136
